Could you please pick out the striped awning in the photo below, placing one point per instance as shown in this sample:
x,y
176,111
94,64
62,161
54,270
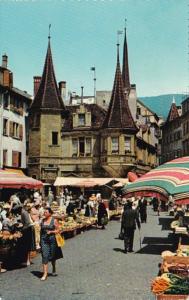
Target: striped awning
x,y
171,178
10,178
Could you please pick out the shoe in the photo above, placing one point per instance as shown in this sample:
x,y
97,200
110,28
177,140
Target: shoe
x,y
125,251
131,250
54,274
43,278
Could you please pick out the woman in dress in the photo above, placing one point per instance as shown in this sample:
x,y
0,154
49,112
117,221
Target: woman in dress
x,y
102,215
49,249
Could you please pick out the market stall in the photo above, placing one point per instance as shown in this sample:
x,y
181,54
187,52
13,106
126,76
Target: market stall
x,y
171,178
173,280
9,240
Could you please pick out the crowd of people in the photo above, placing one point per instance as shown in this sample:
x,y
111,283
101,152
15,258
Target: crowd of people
x,y
33,216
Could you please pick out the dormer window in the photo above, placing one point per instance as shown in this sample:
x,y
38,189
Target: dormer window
x,y
81,119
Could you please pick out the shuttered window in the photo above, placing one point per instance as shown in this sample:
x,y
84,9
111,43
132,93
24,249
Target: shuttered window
x,y
16,159
5,153
5,127
20,132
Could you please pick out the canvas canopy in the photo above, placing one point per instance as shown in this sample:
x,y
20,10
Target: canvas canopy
x,y
171,178
10,178
86,182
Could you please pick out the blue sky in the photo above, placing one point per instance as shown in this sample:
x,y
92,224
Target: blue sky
x,y
84,35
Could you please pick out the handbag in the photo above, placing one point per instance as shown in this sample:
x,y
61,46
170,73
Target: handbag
x,y
60,240
104,220
121,236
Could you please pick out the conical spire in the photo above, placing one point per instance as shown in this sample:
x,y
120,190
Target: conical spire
x,y
125,67
118,114
48,95
173,112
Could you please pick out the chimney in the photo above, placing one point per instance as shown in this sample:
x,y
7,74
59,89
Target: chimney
x,y
36,84
62,89
4,61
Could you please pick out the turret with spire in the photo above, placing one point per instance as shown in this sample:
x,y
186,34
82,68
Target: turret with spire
x,y
48,95
173,112
125,67
46,116
118,114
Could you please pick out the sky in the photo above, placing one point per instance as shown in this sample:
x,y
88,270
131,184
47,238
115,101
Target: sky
x,y
84,34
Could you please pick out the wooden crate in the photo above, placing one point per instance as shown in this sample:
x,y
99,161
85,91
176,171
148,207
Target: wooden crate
x,y
172,297
176,260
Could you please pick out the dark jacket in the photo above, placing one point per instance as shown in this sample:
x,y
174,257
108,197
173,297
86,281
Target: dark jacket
x,y
130,218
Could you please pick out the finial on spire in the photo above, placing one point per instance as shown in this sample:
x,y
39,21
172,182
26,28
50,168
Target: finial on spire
x,y
125,24
49,32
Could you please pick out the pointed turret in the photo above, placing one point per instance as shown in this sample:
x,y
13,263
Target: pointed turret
x,y
118,114
173,112
48,96
125,67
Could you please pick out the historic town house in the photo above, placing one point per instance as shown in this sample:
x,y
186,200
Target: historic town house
x,y
85,139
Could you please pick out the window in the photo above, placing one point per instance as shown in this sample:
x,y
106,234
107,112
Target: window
x,y
88,146
115,144
5,127
81,119
6,100
127,144
16,159
81,146
104,102
74,147
54,138
138,111
5,153
15,130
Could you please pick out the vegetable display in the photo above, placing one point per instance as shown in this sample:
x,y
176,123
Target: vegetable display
x,y
170,284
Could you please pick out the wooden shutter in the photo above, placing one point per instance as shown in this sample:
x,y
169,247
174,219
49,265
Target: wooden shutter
x,y
11,129
15,159
20,132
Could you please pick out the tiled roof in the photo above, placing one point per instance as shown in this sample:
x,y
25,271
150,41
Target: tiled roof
x,y
118,114
97,117
48,95
125,67
173,113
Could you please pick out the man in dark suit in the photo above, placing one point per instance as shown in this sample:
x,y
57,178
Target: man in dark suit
x,y
143,210
129,220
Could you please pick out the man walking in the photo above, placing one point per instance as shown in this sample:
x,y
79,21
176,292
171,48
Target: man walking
x,y
129,220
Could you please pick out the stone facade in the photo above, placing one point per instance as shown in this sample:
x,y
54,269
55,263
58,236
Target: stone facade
x,y
14,104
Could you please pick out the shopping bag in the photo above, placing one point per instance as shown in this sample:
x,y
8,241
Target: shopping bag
x,y
60,240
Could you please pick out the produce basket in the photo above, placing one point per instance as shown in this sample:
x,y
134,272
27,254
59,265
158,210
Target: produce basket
x,y
172,297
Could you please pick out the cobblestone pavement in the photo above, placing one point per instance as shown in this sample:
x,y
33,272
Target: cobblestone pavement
x,y
94,267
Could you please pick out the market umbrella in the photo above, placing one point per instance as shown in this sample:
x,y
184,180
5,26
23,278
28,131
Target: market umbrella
x,y
17,180
171,178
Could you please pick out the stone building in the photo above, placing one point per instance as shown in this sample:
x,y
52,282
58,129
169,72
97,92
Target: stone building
x,y
46,119
171,144
14,104
88,139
